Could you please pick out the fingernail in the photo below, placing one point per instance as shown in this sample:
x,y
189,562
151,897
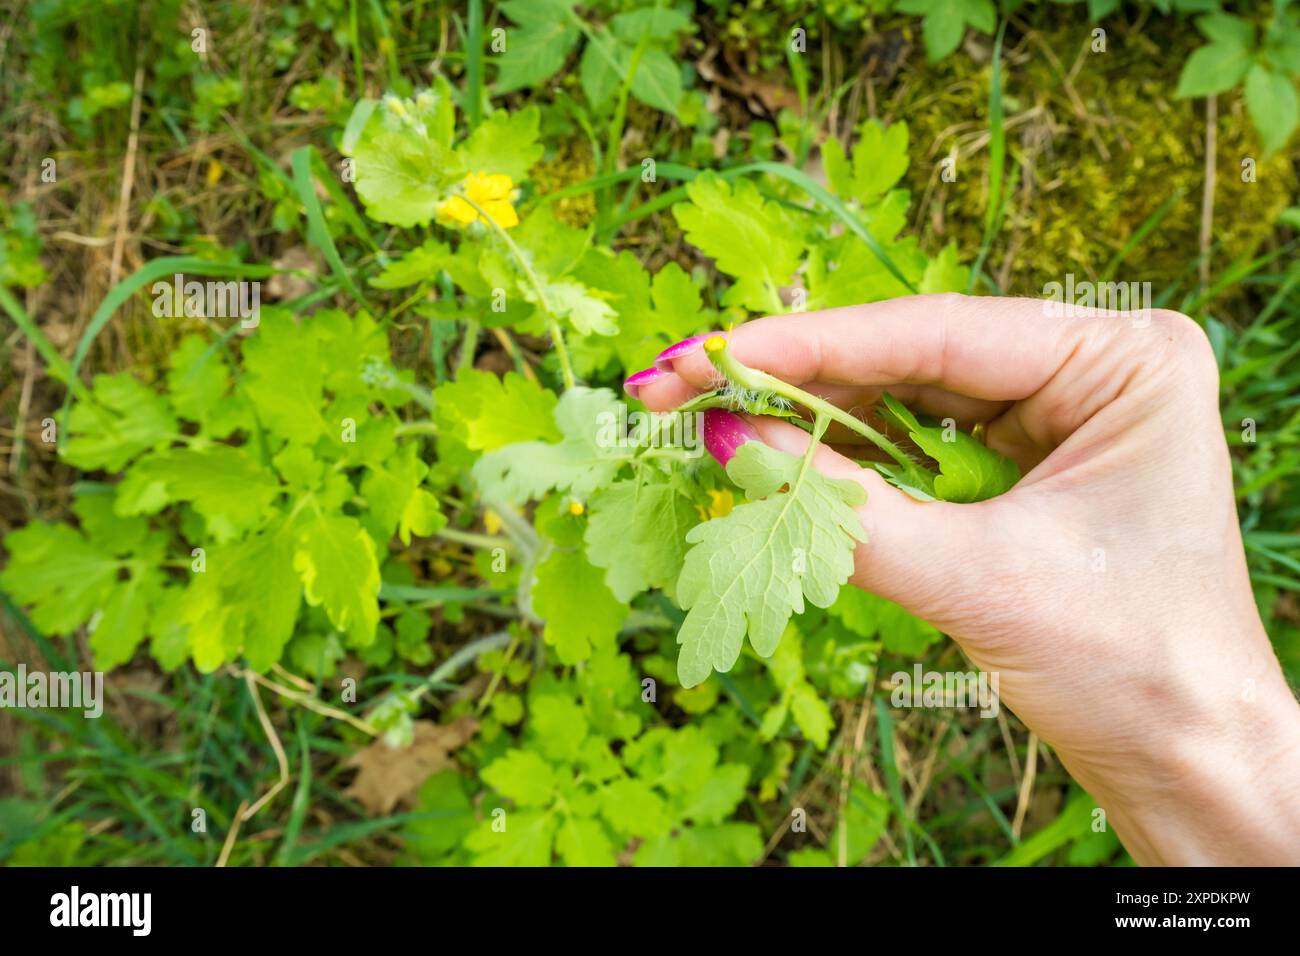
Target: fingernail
x,y
664,360
644,377
724,432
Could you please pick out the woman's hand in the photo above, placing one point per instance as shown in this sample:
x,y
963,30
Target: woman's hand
x,y
1108,589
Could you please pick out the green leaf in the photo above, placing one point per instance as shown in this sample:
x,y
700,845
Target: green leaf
x,y
125,618
968,470
658,23
946,20
225,485
798,698
570,595
870,616
504,143
283,377
404,164
879,162
449,819
420,264
335,559
652,314
53,567
584,843
553,246
421,517
1271,100
847,272
601,70
633,808
944,273
1223,63
866,813
658,81
1228,30
586,459
263,586
197,382
396,500
729,844
525,841
718,796
120,419
567,299
538,46
637,534
732,226
245,601
750,570
521,776
557,723
811,714
488,413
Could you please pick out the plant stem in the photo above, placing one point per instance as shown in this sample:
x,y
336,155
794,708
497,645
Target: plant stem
x,y
468,344
552,326
474,540
416,428
751,378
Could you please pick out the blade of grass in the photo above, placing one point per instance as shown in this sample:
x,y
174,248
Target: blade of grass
x,y
318,232
151,272
58,366
889,766
1072,823
473,104
1148,226
301,800
994,211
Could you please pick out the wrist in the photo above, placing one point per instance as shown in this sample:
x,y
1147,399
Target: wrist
x,y
1218,785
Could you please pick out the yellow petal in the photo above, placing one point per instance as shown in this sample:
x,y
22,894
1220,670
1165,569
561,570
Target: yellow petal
x,y
502,213
496,187
458,210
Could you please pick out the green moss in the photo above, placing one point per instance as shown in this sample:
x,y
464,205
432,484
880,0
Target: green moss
x,y
571,163
1097,155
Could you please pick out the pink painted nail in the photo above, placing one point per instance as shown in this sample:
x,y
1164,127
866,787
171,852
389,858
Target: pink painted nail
x,y
644,377
724,432
664,360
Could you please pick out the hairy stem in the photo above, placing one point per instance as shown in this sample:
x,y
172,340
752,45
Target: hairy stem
x,y
751,378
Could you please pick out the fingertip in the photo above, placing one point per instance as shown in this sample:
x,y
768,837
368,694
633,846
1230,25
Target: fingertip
x,y
666,392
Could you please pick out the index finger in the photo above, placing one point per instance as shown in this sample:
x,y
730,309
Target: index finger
x,y
993,348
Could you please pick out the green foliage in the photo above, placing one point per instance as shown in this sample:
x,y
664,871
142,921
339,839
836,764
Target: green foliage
x,y
1266,61
545,32
270,498
576,799
242,502
752,569
967,470
945,22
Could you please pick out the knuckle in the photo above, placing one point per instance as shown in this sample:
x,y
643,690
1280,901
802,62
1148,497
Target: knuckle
x,y
1190,348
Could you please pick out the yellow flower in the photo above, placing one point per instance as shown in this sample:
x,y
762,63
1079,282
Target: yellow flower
x,y
491,193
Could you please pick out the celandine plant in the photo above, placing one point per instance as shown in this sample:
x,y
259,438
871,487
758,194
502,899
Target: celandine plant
x,y
286,499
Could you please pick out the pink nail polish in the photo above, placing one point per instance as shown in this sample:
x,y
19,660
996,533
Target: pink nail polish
x,y
644,377
724,432
664,360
